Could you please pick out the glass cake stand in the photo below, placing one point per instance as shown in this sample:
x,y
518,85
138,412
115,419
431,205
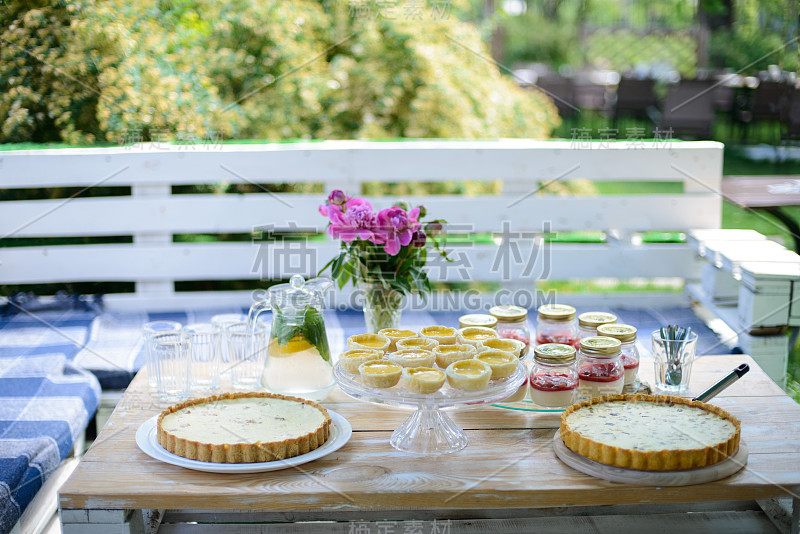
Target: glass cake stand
x,y
429,430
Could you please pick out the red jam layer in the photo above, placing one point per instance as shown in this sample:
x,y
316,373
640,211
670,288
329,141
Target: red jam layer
x,y
600,372
511,334
629,362
564,339
553,382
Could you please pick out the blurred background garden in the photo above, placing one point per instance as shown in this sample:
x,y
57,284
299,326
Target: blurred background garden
x,y
77,73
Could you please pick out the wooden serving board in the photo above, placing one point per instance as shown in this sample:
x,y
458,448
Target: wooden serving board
x,y
636,477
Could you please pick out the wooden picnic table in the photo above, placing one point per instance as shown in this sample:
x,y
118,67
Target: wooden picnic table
x,y
768,193
508,477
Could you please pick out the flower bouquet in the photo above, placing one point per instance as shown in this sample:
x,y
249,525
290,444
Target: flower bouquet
x,y
383,253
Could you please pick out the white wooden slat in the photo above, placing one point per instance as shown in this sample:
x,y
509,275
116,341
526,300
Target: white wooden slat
x,y
221,261
697,164
190,300
242,213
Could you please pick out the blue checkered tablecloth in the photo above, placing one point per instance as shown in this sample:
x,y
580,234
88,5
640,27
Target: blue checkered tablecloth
x,y
52,364
46,402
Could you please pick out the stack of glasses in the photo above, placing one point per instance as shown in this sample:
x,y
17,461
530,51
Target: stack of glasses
x,y
184,361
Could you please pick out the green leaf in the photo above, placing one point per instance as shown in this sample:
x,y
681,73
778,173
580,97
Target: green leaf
x,y
314,332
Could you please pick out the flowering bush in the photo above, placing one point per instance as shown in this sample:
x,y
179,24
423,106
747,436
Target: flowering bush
x,y
386,248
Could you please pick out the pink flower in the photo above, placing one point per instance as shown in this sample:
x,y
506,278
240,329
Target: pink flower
x,y
395,228
354,219
338,197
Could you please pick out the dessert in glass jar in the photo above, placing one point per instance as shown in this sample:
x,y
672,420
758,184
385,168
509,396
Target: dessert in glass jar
x,y
630,354
512,323
556,324
600,369
554,377
588,323
477,319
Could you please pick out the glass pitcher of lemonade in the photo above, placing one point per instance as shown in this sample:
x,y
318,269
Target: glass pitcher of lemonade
x,y
298,357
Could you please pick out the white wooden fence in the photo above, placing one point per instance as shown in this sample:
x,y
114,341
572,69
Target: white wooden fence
x,y
152,214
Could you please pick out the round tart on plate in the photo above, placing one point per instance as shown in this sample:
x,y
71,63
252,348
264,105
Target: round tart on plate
x,y
650,432
352,359
423,343
380,373
412,358
469,375
447,354
369,341
423,379
395,335
445,335
243,428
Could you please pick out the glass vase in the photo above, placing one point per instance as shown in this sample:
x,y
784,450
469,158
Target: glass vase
x,y
382,306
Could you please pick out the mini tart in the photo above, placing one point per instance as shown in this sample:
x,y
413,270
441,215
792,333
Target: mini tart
x,y
369,341
351,359
474,335
447,354
423,379
412,358
395,335
661,433
469,375
423,343
243,428
506,345
380,373
443,334
503,364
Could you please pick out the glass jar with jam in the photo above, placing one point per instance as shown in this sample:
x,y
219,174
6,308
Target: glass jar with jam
x,y
477,319
600,369
588,323
512,323
630,354
556,324
554,377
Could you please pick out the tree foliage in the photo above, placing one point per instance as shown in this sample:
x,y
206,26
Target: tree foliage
x,y
87,71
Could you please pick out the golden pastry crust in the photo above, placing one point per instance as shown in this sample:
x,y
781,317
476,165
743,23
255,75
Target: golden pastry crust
x,y
503,364
423,379
380,373
469,375
653,460
395,335
350,360
423,343
445,335
447,354
412,358
239,453
474,335
369,342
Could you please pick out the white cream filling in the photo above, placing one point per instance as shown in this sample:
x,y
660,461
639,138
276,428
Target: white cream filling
x,y
593,388
245,420
648,426
554,398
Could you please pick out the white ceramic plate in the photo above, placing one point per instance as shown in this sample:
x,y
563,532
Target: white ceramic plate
x,y
147,440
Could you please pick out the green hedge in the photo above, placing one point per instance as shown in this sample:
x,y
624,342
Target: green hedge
x,y
107,71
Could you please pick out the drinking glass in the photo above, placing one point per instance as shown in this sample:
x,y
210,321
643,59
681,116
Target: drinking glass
x,y
149,330
247,349
673,362
171,359
205,339
222,321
